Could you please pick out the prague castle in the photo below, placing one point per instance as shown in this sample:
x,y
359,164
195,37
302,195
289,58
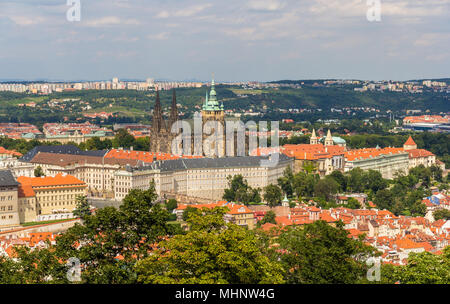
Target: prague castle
x,y
213,121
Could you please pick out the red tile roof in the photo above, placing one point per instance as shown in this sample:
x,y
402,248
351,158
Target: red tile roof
x,y
410,142
26,191
58,180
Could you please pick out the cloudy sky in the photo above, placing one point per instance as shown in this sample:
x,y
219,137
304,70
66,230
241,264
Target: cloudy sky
x,y
237,39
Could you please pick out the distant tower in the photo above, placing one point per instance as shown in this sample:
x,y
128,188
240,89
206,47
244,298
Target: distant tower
x,y
410,144
213,111
314,140
329,139
173,111
158,121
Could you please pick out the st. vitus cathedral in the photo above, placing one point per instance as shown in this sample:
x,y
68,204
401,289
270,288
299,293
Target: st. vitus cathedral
x,y
161,137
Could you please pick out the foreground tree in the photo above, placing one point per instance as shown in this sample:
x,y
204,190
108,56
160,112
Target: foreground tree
x,y
212,252
39,266
321,254
423,268
109,243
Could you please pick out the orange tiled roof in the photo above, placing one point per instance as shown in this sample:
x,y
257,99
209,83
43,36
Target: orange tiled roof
x,y
10,152
418,153
58,180
26,191
368,153
144,156
410,142
312,152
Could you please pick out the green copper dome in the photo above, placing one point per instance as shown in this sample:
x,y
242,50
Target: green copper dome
x,y
211,102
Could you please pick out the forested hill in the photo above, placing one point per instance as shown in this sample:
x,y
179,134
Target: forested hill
x,y
137,105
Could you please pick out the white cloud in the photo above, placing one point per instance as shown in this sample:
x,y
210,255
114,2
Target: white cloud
x,y
158,36
184,12
266,5
163,14
27,20
109,21
430,39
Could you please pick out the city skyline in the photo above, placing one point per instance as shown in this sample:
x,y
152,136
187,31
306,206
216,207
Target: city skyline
x,y
263,40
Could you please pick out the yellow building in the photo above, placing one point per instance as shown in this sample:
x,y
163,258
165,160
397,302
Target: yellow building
x,y
56,194
27,204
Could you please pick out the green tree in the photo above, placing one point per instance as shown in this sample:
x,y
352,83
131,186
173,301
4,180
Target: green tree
x,y
269,217
83,208
285,182
375,181
341,179
38,172
109,243
221,254
353,203
171,205
326,188
384,199
356,180
123,139
38,266
441,214
309,167
273,195
413,203
425,268
239,191
321,254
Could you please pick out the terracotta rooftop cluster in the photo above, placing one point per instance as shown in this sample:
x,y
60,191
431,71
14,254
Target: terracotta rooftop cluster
x,y
61,129
17,130
395,236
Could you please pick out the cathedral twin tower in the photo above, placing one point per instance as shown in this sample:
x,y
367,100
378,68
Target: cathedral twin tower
x,y
161,137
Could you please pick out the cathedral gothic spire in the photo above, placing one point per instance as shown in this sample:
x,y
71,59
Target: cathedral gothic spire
x,y
329,139
314,140
173,111
158,123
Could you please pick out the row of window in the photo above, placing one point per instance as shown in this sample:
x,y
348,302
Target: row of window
x,y
3,208
6,198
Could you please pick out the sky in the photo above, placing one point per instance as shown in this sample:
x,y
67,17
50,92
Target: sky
x,y
238,40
